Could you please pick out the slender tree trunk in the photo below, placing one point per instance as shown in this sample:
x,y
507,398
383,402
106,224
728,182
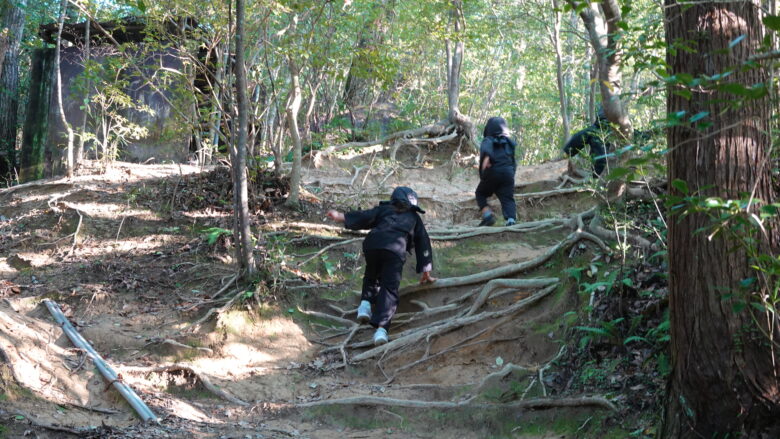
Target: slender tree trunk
x,y
555,37
87,90
293,108
724,381
58,74
455,51
13,22
603,32
240,184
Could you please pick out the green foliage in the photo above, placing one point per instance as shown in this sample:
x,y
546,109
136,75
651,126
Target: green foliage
x,y
212,234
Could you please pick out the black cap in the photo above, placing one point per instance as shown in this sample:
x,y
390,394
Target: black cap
x,y
405,196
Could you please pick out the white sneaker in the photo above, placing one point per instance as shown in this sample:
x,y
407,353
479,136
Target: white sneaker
x,y
380,336
364,311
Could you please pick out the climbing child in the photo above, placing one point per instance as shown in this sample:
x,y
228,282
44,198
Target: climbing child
x,y
496,172
396,228
592,137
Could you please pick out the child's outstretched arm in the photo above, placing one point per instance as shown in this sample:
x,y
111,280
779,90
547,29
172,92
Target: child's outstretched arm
x,y
424,252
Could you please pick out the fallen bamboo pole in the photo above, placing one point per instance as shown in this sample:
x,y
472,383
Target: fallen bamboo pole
x,y
108,373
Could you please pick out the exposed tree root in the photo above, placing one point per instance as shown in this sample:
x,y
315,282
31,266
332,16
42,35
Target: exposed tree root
x,y
469,232
501,374
215,310
440,328
434,130
53,427
635,240
537,403
204,380
507,270
495,284
332,318
544,194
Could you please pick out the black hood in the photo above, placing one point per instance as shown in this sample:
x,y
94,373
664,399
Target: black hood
x,y
496,127
404,196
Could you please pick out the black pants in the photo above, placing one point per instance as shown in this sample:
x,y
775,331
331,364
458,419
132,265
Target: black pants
x,y
502,183
380,285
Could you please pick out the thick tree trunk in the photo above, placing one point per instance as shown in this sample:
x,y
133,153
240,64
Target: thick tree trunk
x,y
13,22
724,381
240,183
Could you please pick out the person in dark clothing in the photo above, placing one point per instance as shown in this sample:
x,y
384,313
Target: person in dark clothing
x,y
396,228
593,137
497,172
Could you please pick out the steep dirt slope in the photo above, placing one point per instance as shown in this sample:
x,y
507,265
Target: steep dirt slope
x,y
135,256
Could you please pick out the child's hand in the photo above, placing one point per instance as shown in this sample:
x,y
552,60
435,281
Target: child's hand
x,y
486,163
427,278
335,215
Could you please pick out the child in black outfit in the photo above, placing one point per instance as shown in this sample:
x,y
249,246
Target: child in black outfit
x,y
396,228
497,172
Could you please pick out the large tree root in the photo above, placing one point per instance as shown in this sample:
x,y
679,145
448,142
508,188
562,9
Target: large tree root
x,y
537,403
596,228
436,130
470,232
417,335
495,284
507,270
545,194
204,380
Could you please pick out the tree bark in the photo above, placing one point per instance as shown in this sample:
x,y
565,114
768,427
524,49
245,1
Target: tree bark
x,y
724,381
293,108
455,52
240,183
88,92
603,33
58,77
555,37
13,22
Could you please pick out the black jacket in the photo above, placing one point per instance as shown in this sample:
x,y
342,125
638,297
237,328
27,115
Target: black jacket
x,y
398,232
498,146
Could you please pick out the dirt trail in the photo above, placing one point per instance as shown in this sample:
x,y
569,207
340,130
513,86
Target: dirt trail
x,y
132,268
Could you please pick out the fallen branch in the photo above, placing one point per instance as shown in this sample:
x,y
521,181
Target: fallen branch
x,y
204,380
328,247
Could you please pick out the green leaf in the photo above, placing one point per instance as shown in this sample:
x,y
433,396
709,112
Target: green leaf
x,y
681,186
633,338
628,282
772,22
499,361
19,417
141,6
618,173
